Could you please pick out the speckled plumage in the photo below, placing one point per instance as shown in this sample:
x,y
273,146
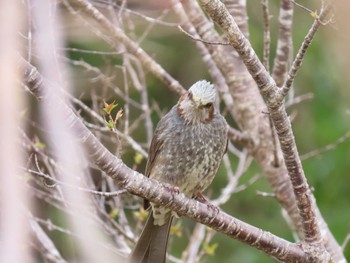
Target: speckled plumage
x,y
189,156
185,152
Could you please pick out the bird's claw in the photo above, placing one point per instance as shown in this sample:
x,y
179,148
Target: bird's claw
x,y
202,199
171,188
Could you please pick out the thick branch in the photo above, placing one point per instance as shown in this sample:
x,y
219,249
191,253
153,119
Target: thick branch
x,y
248,105
154,191
270,91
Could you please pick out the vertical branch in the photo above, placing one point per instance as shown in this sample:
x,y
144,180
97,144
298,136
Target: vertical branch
x,y
284,43
13,196
238,10
302,50
62,139
191,252
267,39
207,58
248,103
268,88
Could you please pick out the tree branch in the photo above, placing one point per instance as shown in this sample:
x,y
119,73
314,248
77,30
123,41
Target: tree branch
x,y
284,43
154,191
267,38
118,36
302,50
270,91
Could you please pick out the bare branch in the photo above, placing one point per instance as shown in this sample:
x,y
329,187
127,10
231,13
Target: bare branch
x,y
346,241
302,50
45,245
207,58
267,39
248,101
119,36
129,11
238,10
284,44
326,148
268,88
46,176
201,40
299,99
154,191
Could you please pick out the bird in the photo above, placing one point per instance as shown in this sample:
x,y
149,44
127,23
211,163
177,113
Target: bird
x,y
185,152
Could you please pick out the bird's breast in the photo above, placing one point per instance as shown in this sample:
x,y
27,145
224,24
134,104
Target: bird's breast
x,y
190,156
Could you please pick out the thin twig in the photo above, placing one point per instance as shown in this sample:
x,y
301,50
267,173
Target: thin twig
x,y
267,39
91,51
46,176
153,190
265,194
302,50
118,36
201,40
345,242
301,6
52,227
147,18
216,74
299,99
44,244
326,148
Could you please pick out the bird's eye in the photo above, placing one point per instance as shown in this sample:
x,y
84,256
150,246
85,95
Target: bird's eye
x,y
190,95
208,105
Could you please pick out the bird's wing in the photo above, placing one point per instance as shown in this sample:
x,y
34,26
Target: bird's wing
x,y
155,148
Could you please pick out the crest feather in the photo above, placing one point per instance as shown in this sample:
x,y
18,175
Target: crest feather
x,y
204,91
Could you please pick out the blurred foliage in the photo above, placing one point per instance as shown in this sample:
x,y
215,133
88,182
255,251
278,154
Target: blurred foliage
x,y
318,122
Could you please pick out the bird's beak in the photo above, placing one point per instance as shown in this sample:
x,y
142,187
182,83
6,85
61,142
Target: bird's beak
x,y
197,102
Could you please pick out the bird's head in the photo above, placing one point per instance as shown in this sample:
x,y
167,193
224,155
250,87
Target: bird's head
x,y
197,105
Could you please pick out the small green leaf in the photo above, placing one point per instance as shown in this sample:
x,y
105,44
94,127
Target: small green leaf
x,y
110,124
210,249
176,229
138,158
40,145
109,107
114,213
314,15
141,215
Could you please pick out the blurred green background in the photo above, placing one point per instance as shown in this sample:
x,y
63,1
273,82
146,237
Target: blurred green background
x,y
318,122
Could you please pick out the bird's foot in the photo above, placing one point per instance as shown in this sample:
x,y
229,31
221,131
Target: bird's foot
x,y
171,188
201,198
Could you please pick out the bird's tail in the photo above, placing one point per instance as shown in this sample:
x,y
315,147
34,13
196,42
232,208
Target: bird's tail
x,y
152,244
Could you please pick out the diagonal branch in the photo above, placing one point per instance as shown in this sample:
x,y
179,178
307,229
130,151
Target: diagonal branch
x,y
274,101
154,191
302,50
118,36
